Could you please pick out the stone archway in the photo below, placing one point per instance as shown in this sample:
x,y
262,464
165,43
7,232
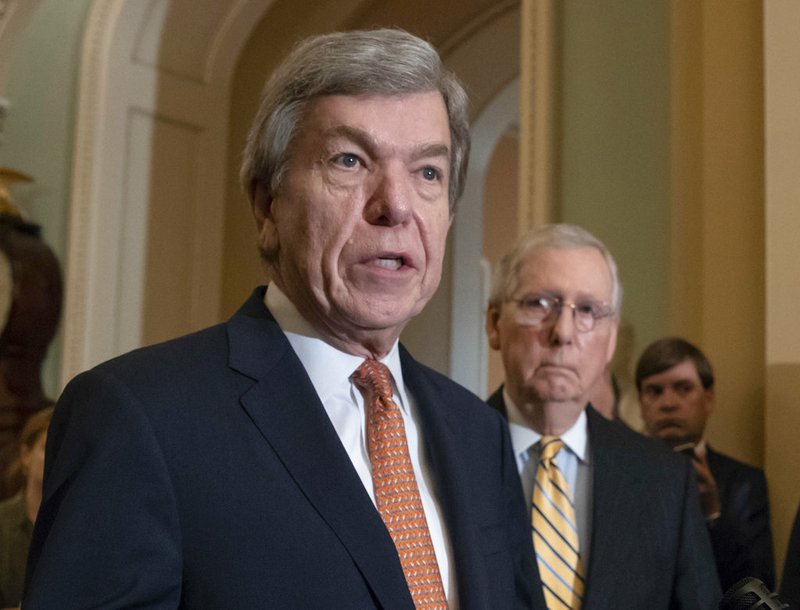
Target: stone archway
x,y
152,105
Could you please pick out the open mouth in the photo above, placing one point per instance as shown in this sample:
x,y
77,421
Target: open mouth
x,y
393,263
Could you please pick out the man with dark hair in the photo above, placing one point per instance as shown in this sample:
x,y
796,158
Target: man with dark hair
x,y
675,381
297,456
615,520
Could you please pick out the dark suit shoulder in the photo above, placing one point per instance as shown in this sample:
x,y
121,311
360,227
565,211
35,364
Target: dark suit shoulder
x,y
187,351
725,465
497,403
164,372
644,451
197,363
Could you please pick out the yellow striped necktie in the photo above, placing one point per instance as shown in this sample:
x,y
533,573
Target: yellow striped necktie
x,y
396,492
555,532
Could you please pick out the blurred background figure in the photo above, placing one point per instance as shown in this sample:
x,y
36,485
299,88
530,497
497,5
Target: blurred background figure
x,y
30,308
18,513
676,392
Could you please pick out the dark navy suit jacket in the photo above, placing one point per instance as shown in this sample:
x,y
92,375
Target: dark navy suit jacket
x,y
649,544
205,473
790,582
741,537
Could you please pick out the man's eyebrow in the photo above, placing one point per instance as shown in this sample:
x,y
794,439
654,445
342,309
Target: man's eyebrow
x,y
432,150
592,298
366,141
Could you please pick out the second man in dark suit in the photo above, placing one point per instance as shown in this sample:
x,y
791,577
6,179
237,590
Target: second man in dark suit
x,y
641,541
675,381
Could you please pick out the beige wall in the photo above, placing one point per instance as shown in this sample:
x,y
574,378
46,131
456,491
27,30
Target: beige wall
x,y
717,212
614,157
500,220
782,213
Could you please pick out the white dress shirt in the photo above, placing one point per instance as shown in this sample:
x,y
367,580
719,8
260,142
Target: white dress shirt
x,y
573,461
329,370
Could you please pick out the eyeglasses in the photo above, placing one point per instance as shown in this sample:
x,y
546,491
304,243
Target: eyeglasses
x,y
536,310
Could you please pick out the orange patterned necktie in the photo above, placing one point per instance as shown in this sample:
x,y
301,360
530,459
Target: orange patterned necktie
x,y
396,492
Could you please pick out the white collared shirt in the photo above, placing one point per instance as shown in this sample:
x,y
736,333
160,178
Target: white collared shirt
x,y
329,370
573,461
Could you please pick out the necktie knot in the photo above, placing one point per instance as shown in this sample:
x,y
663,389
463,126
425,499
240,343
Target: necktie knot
x,y
549,448
374,378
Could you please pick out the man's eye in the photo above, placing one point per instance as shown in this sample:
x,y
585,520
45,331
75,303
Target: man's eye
x,y
537,304
586,309
652,391
431,174
347,160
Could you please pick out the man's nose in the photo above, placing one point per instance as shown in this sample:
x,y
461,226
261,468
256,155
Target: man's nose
x,y
389,202
668,401
563,328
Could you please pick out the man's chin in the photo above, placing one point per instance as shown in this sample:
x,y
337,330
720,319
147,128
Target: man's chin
x,y
673,439
561,400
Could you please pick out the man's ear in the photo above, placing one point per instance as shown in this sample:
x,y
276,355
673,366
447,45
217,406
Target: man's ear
x,y
612,340
261,201
709,402
492,330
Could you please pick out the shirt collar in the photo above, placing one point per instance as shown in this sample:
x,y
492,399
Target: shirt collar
x,y
701,448
328,367
523,437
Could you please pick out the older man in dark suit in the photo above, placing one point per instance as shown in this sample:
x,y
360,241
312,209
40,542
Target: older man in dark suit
x,y
615,517
297,456
675,381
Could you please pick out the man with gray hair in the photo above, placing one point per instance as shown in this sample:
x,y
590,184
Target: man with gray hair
x,y
297,456
615,518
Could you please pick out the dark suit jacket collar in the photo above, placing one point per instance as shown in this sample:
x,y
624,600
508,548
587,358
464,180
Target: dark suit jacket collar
x,y
616,478
293,421
497,402
439,421
612,472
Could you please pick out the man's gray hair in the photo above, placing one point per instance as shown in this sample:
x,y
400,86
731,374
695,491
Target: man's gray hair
x,y
370,62
559,236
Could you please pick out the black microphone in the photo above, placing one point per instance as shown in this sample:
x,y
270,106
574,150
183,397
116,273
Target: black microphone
x,y
750,594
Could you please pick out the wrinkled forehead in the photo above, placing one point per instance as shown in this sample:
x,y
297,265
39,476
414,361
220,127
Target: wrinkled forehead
x,y
416,122
569,273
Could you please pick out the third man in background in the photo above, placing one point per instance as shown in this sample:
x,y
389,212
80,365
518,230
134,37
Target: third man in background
x,y
676,392
615,519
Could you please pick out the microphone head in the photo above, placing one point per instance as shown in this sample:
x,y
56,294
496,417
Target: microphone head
x,y
750,594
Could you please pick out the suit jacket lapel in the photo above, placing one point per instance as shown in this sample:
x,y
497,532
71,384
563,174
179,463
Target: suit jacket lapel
x,y
283,405
615,481
441,453
497,402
